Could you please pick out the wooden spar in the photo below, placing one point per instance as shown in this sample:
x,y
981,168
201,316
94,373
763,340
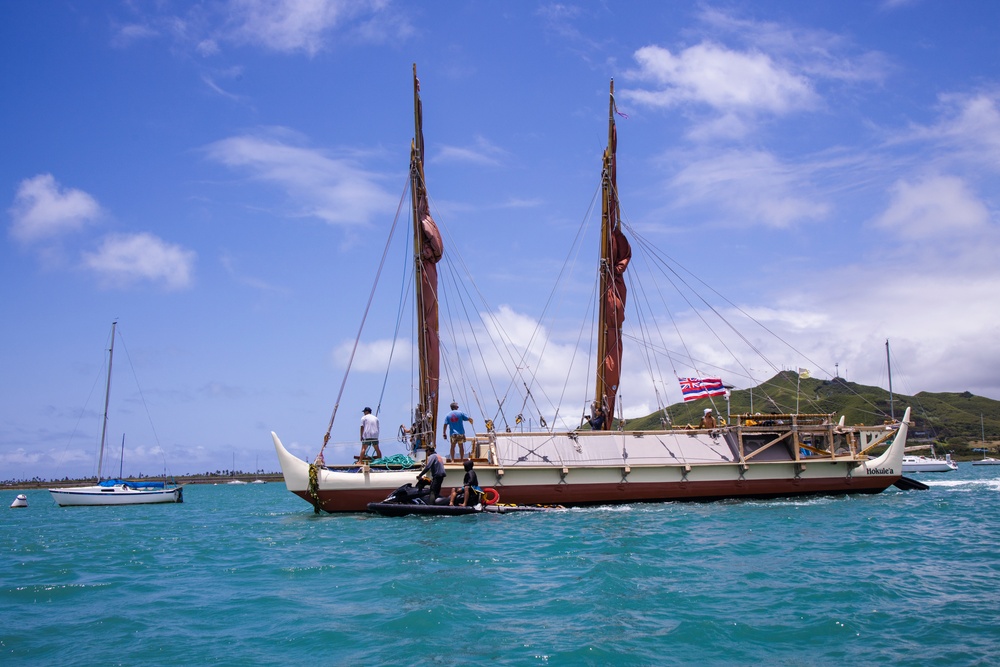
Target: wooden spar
x,y
605,274
615,256
107,398
426,331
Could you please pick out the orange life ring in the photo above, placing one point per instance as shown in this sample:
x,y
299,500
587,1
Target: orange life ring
x,y
490,495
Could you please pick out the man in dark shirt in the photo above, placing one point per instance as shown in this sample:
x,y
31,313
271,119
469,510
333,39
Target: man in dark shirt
x,y
435,466
469,495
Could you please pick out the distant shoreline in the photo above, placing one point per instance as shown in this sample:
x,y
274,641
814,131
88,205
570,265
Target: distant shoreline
x,y
180,479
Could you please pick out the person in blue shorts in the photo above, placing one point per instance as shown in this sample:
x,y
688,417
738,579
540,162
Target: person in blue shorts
x,y
453,422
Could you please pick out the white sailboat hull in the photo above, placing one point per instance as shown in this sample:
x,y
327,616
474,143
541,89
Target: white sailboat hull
x,y
588,468
115,495
927,464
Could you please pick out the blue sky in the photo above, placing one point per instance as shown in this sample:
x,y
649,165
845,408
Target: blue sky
x,y
221,176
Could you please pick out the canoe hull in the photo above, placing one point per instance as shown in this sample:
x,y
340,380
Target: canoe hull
x,y
575,484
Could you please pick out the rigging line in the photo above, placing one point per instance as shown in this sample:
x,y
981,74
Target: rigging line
x,y
742,311
452,267
642,289
371,295
142,396
573,254
572,363
659,349
714,310
527,348
643,253
403,300
644,351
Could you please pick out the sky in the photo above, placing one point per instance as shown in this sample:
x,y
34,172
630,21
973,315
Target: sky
x,y
221,178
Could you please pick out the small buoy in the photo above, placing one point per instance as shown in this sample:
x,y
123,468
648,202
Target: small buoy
x,y
20,501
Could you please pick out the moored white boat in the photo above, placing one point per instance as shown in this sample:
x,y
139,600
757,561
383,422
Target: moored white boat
x,y
751,456
913,463
116,491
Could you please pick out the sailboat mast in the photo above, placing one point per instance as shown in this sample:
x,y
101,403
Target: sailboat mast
x,y
888,361
107,398
427,249
615,256
606,185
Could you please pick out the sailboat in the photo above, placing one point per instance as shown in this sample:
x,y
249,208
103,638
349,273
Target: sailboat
x,y
986,460
918,462
932,463
116,491
602,462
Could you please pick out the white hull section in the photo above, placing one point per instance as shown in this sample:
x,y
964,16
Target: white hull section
x,y
585,468
987,462
926,464
115,495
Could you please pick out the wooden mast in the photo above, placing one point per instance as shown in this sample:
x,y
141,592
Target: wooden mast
x,y
608,210
425,258
616,253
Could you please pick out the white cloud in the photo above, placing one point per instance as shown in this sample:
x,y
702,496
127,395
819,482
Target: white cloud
x,y
128,258
938,206
819,53
43,210
337,190
373,356
752,186
721,78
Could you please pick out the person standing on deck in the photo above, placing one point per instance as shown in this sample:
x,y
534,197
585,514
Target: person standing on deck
x,y
453,422
369,434
707,420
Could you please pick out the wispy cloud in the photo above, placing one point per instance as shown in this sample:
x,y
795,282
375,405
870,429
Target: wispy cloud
x,y
753,186
44,210
335,189
283,26
482,152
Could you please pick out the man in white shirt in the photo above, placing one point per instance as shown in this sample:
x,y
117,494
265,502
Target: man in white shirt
x,y
369,434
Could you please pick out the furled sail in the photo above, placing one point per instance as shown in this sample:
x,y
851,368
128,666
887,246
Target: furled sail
x,y
428,249
615,255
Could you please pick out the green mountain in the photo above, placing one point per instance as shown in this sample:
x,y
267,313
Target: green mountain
x,y
951,420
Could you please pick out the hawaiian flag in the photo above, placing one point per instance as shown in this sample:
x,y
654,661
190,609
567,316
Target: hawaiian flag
x,y
695,388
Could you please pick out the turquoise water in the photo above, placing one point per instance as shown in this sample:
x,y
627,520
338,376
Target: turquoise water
x,y
248,575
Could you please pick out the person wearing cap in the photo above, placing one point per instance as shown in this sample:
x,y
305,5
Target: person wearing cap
x,y
453,422
434,466
369,434
707,420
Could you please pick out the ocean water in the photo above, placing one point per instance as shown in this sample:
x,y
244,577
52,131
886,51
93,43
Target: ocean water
x,y
248,575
